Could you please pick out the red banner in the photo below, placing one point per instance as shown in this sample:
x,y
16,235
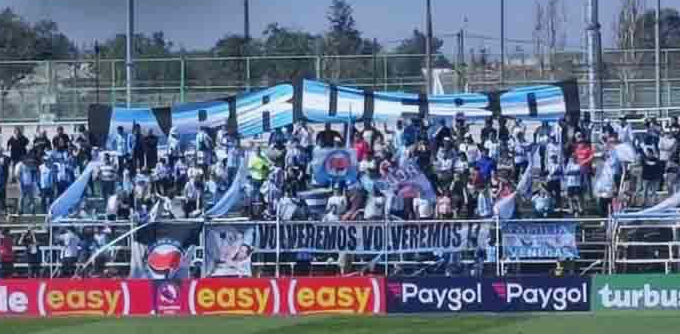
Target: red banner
x,y
212,296
355,295
245,296
94,297
18,298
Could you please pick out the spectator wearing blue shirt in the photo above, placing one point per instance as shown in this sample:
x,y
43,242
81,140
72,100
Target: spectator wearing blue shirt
x,y
46,182
410,134
486,165
119,144
27,173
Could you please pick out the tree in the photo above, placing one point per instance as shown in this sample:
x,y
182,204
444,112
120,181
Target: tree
x,y
145,72
20,40
415,45
278,40
343,38
549,34
629,36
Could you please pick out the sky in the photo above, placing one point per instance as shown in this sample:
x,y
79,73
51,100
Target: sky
x,y
198,24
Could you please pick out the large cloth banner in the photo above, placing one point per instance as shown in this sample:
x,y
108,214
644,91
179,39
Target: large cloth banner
x,y
334,165
163,250
407,181
228,250
539,240
63,205
370,238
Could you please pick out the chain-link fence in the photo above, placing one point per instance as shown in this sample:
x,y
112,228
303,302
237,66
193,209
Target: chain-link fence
x,y
31,90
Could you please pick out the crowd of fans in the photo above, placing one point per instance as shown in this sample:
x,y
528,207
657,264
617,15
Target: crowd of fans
x,y
469,170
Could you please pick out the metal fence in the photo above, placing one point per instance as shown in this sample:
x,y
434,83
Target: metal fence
x,y
594,249
63,90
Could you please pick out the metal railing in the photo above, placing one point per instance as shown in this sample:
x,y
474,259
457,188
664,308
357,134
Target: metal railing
x,y
63,89
594,248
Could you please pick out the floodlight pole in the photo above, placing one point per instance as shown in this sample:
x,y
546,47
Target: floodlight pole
x,y
502,42
128,56
428,47
657,53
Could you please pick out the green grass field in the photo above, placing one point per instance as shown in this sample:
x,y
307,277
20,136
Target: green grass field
x,y
619,323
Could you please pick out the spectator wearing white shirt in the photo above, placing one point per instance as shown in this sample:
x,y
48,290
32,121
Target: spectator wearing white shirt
x,y
624,130
470,148
518,128
337,201
375,206
69,254
667,148
573,182
493,146
422,208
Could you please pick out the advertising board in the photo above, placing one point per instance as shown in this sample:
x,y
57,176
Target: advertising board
x,y
449,294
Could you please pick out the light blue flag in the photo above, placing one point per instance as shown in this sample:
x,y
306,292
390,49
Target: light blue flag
x,y
233,195
72,196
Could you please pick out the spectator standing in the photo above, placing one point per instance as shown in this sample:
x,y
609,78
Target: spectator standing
x,y
69,254
136,148
518,128
151,149
541,137
554,177
30,242
667,148
522,151
119,144
61,140
46,183
107,177
181,174
174,147
27,173
441,134
503,132
4,179
624,131
573,180
234,157
470,149
584,155
360,146
327,137
41,143
486,165
6,254
493,146
204,147
484,204
193,192
17,146
259,169
651,176
488,131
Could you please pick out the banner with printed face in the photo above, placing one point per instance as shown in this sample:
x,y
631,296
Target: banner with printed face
x,y
407,181
539,240
372,238
331,166
636,292
465,294
163,250
228,250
